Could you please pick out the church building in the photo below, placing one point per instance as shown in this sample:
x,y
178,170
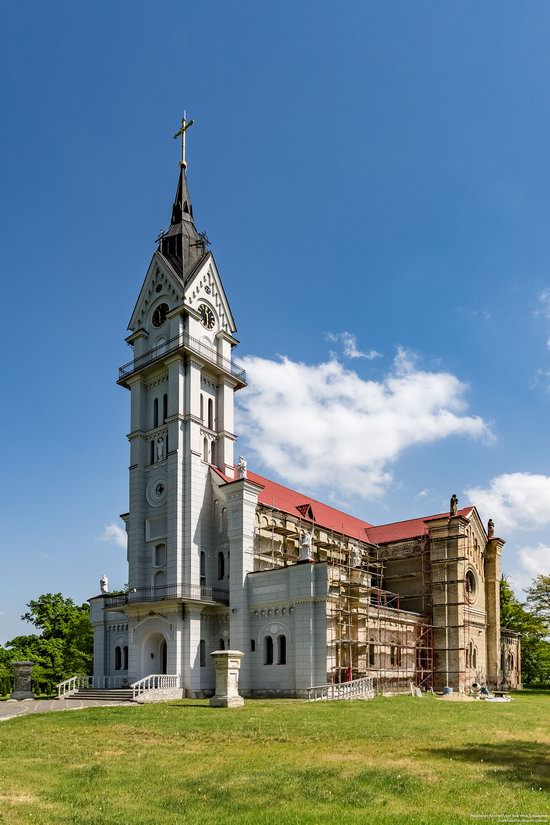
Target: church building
x,y
220,557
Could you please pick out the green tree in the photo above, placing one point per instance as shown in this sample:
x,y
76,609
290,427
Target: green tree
x,y
538,596
534,628
64,646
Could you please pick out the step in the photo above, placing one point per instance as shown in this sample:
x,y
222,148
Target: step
x,y
121,695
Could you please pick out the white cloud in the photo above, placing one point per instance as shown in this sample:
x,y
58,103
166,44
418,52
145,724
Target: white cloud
x,y
544,302
114,534
325,428
349,346
514,500
529,562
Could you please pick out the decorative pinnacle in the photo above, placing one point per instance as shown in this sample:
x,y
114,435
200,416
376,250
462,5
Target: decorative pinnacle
x,y
185,124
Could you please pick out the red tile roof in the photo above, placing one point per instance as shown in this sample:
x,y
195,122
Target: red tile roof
x,y
302,506
411,529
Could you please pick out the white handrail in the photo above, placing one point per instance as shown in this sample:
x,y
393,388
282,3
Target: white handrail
x,y
356,689
154,682
70,686
80,681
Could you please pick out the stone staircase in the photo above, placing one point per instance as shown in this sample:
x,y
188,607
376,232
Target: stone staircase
x,y
98,695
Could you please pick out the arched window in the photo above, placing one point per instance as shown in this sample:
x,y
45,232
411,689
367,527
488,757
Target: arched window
x,y
160,555
152,451
164,407
156,412
202,408
281,650
393,657
202,653
221,644
398,655
467,657
160,583
371,653
268,650
118,663
210,414
205,450
221,566
125,657
474,659
212,452
203,569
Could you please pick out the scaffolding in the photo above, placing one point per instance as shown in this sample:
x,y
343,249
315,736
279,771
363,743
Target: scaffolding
x,y
368,631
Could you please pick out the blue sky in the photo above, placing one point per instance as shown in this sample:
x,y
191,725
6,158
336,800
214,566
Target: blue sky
x,y
374,177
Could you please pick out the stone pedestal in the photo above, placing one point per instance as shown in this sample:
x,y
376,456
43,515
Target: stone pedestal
x,y
22,672
227,664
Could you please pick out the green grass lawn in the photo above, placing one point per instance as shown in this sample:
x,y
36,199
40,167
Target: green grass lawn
x,y
391,760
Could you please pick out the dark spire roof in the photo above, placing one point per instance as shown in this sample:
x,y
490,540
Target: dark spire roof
x,y
181,244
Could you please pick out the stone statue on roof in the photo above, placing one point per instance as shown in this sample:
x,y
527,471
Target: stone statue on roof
x,y
306,546
356,557
104,583
454,504
491,529
242,467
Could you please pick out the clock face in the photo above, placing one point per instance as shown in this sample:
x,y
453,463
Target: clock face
x,y
207,316
159,315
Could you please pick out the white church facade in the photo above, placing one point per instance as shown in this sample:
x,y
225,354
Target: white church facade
x,y
222,558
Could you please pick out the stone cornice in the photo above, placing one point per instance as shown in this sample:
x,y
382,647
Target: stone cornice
x,y
139,333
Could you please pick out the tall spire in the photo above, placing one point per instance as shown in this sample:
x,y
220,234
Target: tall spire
x,y
181,244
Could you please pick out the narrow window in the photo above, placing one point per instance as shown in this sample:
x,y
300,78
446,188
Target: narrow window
x,y
213,452
164,407
221,644
221,566
467,657
203,569
202,653
202,408
125,657
511,663
205,450
160,555
268,650
398,655
371,653
502,662
393,657
152,451
117,658
474,663
281,650
210,414
156,412
252,645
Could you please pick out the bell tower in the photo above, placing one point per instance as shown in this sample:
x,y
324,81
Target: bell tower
x,y
182,381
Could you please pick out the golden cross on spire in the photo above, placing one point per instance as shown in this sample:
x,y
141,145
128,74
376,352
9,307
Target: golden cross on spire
x,y
185,124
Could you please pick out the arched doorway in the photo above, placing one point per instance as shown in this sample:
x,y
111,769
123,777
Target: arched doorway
x,y
154,654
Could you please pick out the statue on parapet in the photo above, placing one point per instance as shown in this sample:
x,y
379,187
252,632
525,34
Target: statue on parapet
x,y
242,467
491,529
306,546
104,583
454,504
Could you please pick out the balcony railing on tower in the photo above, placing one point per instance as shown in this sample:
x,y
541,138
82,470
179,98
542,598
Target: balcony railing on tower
x,y
196,592
178,342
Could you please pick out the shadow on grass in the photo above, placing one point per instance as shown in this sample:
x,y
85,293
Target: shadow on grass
x,y
516,761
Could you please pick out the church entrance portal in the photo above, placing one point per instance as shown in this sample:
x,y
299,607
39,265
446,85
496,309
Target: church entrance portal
x,y
154,654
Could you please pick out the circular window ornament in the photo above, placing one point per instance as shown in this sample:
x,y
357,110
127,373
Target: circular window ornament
x,y
156,492
471,586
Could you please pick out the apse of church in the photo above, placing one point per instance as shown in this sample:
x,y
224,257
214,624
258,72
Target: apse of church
x,y
222,558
